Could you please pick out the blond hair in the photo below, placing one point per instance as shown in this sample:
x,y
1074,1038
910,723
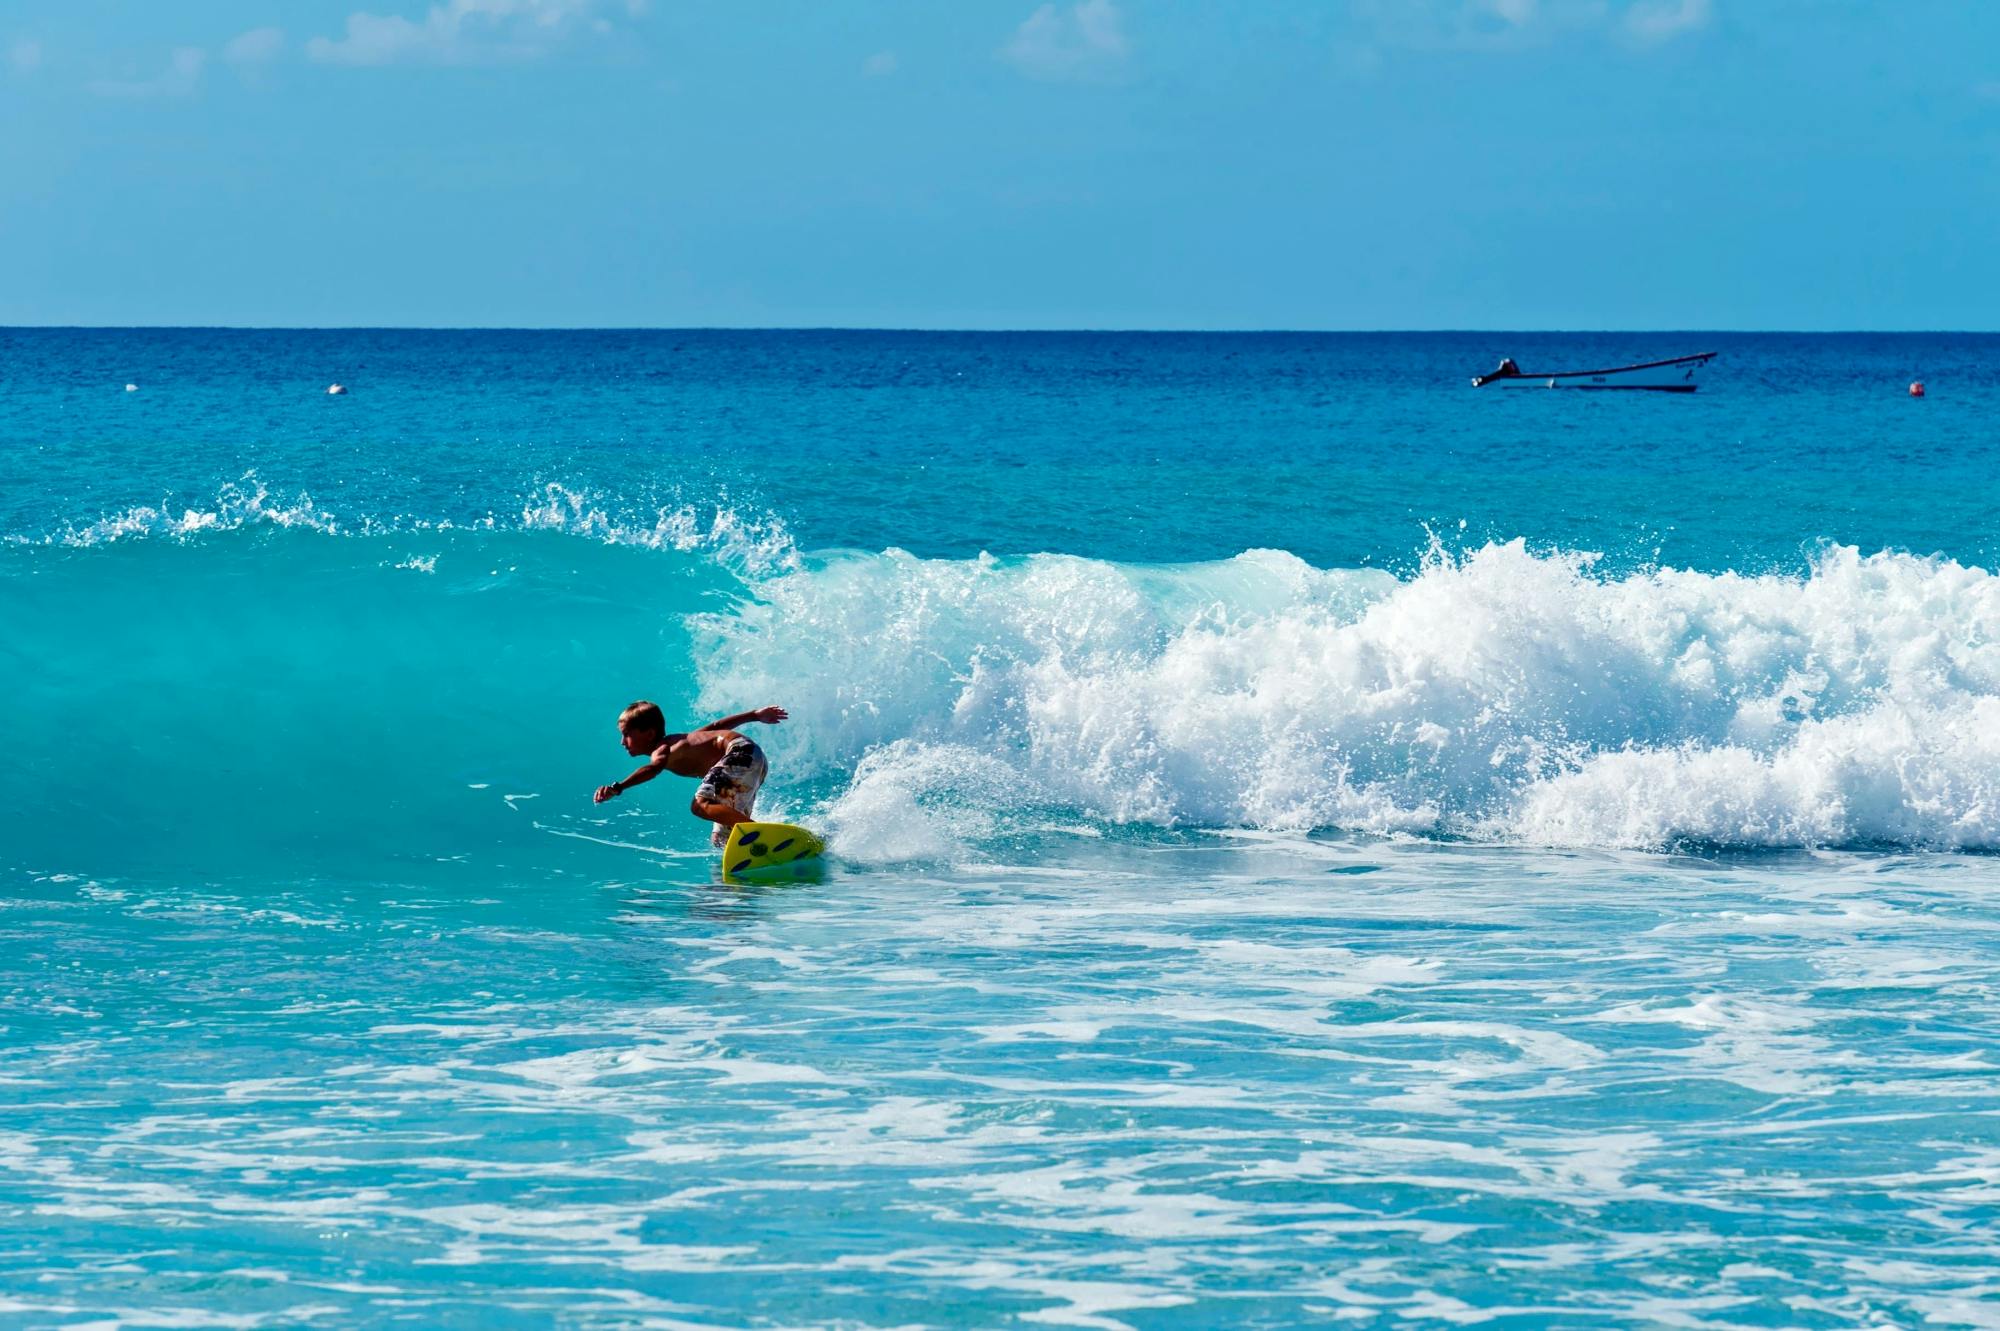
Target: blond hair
x,y
644,717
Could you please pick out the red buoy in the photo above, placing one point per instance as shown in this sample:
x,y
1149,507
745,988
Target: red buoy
x,y
1917,388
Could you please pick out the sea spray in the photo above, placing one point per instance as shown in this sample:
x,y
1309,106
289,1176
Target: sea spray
x,y
755,542
1503,694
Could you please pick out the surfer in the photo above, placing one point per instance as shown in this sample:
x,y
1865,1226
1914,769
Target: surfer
x,y
731,766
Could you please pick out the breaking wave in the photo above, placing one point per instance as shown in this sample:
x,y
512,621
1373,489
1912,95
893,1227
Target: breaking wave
x,y
1500,694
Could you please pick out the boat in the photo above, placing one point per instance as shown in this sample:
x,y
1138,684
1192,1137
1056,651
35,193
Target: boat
x,y
1662,376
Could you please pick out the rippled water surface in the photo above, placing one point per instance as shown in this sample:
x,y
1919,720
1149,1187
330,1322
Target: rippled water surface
x,y
1187,1080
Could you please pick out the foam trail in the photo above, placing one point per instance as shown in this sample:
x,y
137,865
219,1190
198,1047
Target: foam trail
x,y
1503,694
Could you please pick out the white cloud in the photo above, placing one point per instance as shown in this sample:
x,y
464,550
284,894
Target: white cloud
x,y
1511,25
1664,20
459,32
1086,42
181,76
25,56
879,64
1475,24
254,47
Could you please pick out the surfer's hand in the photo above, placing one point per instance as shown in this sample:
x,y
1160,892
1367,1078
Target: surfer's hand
x,y
604,793
770,716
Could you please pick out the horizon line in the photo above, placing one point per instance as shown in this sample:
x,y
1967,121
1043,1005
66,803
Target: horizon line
x,y
998,330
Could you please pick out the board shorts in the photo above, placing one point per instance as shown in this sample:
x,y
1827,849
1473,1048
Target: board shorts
x,y
735,780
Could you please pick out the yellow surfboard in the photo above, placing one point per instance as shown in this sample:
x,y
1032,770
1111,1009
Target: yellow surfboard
x,y
753,847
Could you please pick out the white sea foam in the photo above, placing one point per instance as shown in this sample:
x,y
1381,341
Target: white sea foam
x,y
755,544
1503,694
758,545
247,502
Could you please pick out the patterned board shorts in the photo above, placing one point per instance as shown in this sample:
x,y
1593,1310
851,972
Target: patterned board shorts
x,y
736,779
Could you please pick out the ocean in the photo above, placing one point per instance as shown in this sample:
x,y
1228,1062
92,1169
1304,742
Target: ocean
x,y
1310,841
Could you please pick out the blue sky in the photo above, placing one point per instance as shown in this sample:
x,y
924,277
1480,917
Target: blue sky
x,y
1002,163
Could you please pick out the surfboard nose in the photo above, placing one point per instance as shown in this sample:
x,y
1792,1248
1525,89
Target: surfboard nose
x,y
754,847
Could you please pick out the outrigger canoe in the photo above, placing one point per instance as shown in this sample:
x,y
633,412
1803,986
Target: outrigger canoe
x,y
1661,376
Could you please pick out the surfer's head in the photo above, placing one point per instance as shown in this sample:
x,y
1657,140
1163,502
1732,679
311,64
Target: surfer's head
x,y
642,727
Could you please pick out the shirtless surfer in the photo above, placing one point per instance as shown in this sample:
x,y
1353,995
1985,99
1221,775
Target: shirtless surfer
x,y
731,766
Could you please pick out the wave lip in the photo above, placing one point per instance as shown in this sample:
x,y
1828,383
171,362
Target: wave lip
x,y
1502,694
243,503
757,544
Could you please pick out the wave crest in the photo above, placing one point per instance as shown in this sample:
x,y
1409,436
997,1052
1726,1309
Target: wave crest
x,y
1499,694
756,544
236,504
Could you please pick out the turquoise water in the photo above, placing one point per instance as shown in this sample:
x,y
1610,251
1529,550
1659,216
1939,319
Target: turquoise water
x,y
1312,842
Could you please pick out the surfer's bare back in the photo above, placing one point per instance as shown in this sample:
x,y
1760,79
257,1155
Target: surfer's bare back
x,y
731,766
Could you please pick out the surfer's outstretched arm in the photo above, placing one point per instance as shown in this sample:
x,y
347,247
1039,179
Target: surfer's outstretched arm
x,y
638,778
770,716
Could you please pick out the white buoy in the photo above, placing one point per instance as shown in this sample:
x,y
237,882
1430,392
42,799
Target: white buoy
x,y
335,390
131,388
